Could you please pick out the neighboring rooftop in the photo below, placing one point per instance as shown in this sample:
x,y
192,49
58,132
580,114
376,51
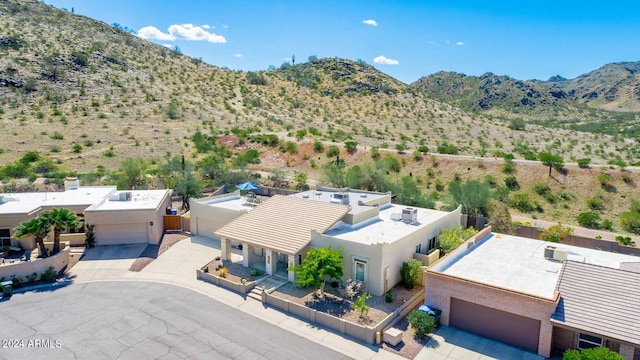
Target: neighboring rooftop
x,y
359,200
130,200
232,201
387,227
24,203
283,223
519,264
600,300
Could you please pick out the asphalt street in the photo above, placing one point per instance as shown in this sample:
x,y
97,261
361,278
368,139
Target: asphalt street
x,y
139,320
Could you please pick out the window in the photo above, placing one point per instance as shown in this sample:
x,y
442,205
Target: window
x,y
586,341
432,243
360,269
5,237
419,249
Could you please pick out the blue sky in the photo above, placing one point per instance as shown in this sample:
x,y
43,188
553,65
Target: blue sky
x,y
405,39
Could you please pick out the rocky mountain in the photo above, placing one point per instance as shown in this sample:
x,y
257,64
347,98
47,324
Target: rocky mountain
x,y
89,94
613,87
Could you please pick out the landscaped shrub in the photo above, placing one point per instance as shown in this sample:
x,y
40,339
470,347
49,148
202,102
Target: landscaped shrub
x,y
222,272
421,323
625,240
589,219
411,271
17,281
49,275
256,272
352,289
556,233
449,239
596,353
90,240
388,296
361,304
32,278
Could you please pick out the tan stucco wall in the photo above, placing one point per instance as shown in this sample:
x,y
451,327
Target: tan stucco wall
x,y
216,214
440,288
24,269
133,216
11,221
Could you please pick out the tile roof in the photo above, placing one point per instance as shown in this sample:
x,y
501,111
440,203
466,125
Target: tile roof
x,y
600,300
283,223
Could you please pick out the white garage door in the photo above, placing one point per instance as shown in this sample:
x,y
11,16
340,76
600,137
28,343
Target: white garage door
x,y
121,234
207,227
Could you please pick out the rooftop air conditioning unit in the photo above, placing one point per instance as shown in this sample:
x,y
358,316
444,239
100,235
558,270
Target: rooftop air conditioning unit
x,y
124,196
340,198
71,183
410,214
553,253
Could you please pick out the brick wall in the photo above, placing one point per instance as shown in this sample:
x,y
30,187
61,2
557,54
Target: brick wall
x,y
440,288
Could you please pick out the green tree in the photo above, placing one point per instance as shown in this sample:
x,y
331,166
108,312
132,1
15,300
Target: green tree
x,y
408,193
276,177
473,195
499,217
449,239
188,187
60,219
320,265
421,323
36,227
552,161
411,272
133,171
300,178
596,353
556,233
335,175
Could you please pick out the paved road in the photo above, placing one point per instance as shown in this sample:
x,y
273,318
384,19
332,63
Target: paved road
x,y
135,320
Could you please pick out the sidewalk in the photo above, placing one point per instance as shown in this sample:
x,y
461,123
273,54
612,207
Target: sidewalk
x,y
177,266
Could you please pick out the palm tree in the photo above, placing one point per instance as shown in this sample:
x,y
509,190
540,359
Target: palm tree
x,y
36,227
60,219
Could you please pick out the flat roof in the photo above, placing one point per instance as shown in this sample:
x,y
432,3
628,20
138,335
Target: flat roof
x,y
518,263
385,228
140,200
355,197
24,203
232,201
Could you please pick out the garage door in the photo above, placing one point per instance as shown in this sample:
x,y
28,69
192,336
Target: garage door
x,y
121,234
207,227
509,328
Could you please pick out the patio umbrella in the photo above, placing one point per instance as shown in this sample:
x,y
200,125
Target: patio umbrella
x,y
248,186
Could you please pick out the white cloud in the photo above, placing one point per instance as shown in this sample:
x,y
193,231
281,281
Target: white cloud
x,y
238,55
370,22
181,32
459,43
385,61
206,26
225,26
448,42
168,46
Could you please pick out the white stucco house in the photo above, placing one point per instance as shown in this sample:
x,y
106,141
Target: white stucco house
x,y
120,217
375,236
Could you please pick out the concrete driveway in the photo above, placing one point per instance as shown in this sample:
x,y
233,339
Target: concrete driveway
x,y
452,344
105,262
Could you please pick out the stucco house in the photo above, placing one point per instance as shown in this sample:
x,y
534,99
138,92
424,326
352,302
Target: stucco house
x,y
537,295
375,236
120,217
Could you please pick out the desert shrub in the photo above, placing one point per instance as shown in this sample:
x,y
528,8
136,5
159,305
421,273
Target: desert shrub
x,y
584,163
411,271
49,275
607,224
595,203
447,148
318,146
332,151
626,178
521,202
421,323
603,179
541,188
589,219
517,124
290,147
388,296
508,167
630,221
512,183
